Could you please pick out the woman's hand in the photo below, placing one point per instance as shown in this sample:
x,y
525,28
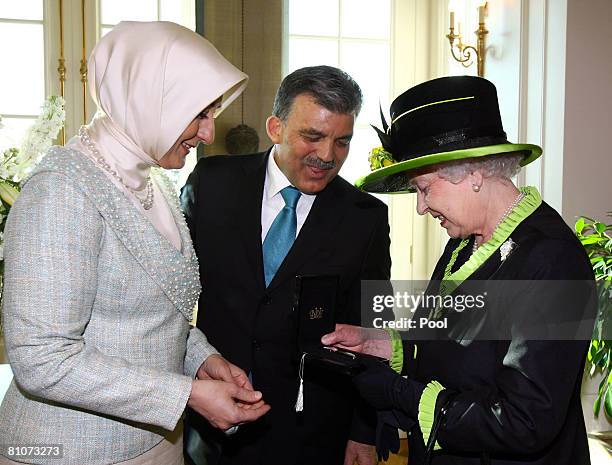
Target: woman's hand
x,y
225,404
365,340
218,368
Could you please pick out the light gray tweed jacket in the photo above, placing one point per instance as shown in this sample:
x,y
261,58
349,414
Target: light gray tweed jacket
x,y
96,317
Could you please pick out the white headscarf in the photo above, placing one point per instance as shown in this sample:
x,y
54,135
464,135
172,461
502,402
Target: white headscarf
x,y
149,81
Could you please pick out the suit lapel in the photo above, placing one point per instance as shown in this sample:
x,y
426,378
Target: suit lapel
x,y
248,213
326,214
174,272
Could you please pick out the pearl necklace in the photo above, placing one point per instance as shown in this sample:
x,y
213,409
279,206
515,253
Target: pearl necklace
x,y
504,216
147,200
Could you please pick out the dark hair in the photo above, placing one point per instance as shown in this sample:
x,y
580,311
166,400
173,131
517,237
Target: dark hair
x,y
330,87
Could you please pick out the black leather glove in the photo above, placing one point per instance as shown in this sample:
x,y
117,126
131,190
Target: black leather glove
x,y
384,389
387,437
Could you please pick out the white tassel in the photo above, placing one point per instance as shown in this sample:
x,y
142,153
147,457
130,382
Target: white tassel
x,y
299,403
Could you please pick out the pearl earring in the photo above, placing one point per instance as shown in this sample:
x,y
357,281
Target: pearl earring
x,y
476,187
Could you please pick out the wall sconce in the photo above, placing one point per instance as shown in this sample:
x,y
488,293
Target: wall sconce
x,y
464,53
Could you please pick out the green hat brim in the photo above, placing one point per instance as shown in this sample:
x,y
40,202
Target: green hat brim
x,y
374,181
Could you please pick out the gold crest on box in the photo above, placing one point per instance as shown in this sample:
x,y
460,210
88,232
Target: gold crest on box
x,y
316,313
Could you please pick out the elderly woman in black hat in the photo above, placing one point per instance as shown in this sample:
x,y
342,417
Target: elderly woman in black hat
x,y
492,385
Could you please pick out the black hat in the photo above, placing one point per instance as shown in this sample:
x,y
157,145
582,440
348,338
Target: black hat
x,y
445,119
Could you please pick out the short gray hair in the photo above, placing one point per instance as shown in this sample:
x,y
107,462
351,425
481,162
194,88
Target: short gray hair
x,y
330,87
505,165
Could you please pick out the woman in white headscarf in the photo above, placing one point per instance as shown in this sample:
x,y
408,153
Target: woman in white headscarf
x,y
100,274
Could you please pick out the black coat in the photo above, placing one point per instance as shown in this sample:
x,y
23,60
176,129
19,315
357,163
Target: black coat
x,y
346,234
517,400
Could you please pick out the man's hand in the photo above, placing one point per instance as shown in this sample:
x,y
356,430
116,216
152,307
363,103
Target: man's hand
x,y
225,404
365,340
360,454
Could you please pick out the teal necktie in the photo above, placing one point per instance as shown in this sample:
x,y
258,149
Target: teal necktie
x,y
281,234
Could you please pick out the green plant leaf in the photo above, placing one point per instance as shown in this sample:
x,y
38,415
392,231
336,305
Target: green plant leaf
x,y
590,240
597,358
601,392
592,350
608,399
8,192
602,385
598,265
596,238
596,405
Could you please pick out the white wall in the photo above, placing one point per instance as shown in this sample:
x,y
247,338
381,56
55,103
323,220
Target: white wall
x,y
526,61
587,180
552,65
587,154
503,62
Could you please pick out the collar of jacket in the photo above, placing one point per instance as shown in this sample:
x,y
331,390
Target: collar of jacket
x,y
176,272
327,212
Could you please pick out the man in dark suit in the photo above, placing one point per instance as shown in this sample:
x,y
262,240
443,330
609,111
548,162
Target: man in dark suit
x,y
241,210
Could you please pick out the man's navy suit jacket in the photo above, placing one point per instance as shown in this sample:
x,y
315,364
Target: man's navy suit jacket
x,y
347,234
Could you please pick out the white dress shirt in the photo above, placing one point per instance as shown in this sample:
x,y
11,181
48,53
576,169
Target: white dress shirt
x,y
272,202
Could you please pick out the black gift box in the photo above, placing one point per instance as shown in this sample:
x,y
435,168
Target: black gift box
x,y
314,310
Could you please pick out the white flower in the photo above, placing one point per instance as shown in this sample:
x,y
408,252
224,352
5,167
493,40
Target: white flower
x,y
7,163
16,163
506,248
39,137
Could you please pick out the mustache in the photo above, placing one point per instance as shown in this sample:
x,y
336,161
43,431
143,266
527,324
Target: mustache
x,y
316,162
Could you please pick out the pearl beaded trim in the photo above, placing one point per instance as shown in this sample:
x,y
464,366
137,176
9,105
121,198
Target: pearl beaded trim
x,y
176,273
147,200
504,216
